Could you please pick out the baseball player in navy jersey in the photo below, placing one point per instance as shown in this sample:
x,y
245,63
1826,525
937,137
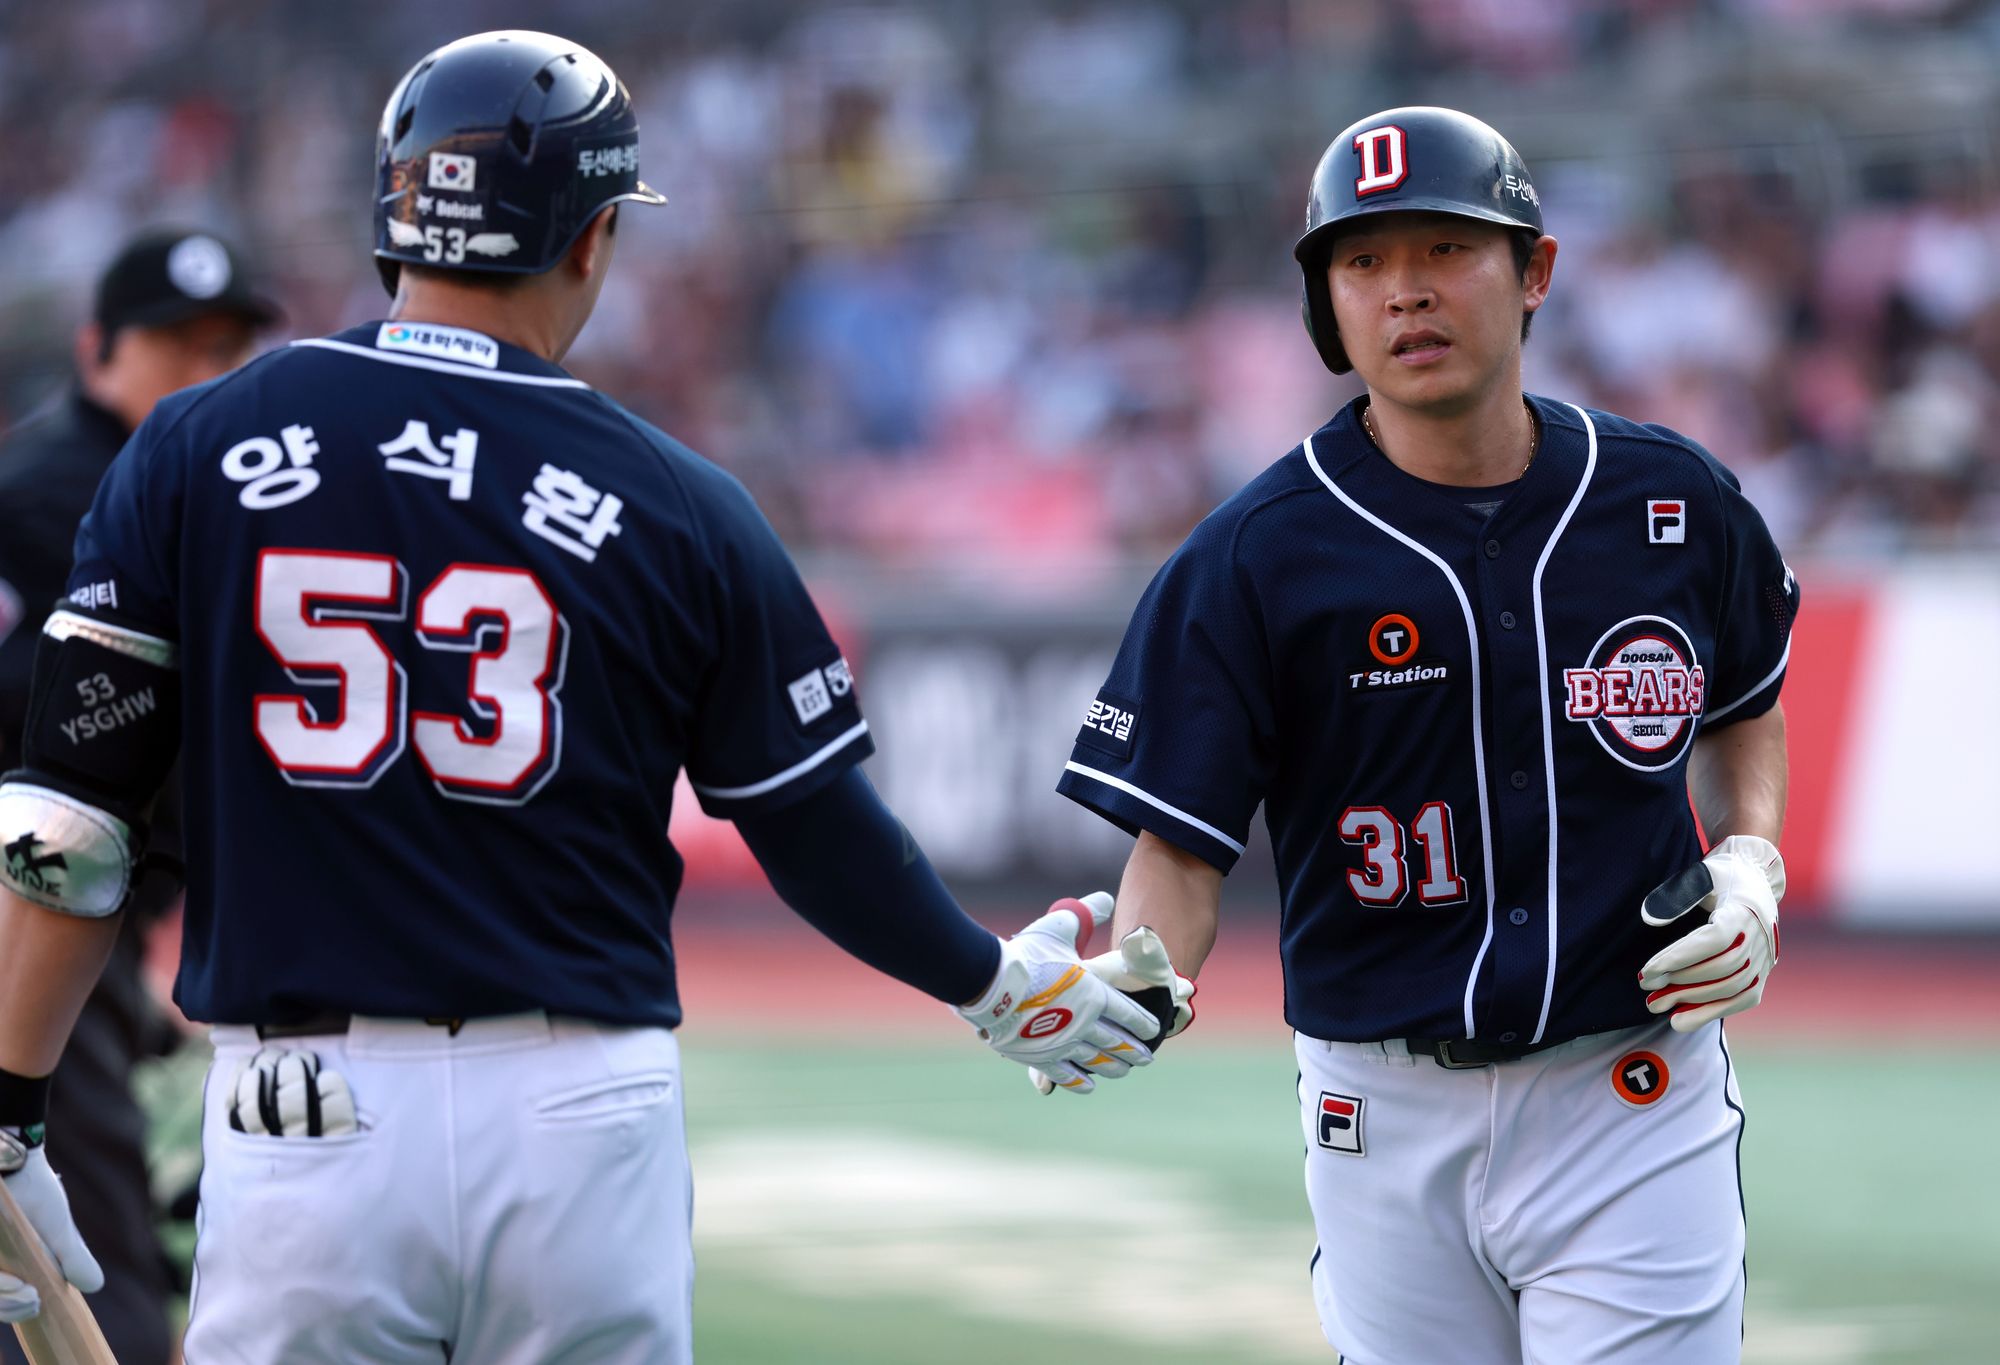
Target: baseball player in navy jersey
x,y
1472,650
434,628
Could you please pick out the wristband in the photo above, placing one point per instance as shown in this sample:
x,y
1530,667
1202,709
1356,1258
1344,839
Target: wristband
x,y
24,1100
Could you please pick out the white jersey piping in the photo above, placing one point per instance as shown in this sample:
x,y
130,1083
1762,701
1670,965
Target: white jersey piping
x,y
1548,720
777,780
1156,803
1769,678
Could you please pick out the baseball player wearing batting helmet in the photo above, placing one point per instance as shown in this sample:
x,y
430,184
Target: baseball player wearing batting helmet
x,y
435,627
1473,650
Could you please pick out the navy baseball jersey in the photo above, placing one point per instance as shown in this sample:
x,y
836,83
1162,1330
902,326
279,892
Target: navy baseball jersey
x,y
451,623
1468,713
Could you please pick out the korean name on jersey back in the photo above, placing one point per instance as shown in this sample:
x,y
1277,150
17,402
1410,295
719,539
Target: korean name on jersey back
x,y
451,680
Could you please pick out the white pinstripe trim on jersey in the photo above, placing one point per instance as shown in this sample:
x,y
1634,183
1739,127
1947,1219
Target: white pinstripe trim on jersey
x,y
1548,720
1769,678
1478,736
1156,803
417,362
777,780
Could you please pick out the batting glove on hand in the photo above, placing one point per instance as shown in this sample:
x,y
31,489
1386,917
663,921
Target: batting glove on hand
x,y
284,1092
1140,968
1720,968
25,1168
1044,1010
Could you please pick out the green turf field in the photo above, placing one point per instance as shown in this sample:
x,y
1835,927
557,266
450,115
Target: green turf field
x,y
892,1212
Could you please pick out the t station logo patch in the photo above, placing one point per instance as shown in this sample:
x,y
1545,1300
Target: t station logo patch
x,y
1640,694
1392,644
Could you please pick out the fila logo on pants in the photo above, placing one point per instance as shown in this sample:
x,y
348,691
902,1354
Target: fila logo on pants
x,y
1340,1122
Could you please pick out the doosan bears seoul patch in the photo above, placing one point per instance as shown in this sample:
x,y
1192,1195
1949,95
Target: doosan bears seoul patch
x,y
1640,692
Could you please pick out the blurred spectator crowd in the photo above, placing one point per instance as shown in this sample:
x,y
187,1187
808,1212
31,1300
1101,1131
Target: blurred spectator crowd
x,y
1011,282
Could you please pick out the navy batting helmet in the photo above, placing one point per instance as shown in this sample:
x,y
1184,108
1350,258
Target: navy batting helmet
x,y
1413,160
496,151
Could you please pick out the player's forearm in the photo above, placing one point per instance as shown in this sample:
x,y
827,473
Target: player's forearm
x,y
843,861
1176,894
1738,777
48,963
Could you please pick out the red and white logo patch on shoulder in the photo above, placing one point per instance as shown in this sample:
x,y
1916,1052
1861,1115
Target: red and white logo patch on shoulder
x,y
1666,521
1384,160
1640,693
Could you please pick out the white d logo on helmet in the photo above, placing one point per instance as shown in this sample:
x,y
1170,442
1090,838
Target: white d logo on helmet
x,y
1383,164
198,267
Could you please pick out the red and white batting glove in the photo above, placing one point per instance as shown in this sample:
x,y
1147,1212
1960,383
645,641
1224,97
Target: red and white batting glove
x,y
1720,968
1044,1010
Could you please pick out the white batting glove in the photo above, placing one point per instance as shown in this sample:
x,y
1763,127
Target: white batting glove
x,y
1720,968
25,1167
284,1092
1044,1010
1139,967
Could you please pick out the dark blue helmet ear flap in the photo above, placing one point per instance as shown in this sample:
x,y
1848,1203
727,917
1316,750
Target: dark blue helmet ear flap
x,y
495,152
1412,160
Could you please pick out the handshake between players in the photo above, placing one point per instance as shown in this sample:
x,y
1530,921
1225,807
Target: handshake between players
x,y
1071,1019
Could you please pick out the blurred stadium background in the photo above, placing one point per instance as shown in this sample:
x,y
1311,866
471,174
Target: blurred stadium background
x,y
988,303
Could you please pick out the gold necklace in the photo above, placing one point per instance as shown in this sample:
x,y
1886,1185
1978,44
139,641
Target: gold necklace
x,y
1534,432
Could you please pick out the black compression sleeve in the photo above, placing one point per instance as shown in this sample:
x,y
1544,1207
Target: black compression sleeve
x,y
845,863
24,1100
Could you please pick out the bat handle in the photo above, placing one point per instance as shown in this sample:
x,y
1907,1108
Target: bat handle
x,y
64,1332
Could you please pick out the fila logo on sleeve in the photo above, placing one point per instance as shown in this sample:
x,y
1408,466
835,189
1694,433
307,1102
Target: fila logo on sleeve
x,y
1666,521
1340,1122
1384,161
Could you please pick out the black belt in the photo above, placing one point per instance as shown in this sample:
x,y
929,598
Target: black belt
x,y
317,1025
1462,1054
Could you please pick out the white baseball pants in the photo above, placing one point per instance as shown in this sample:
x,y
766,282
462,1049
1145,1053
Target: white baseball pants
x,y
1541,1211
518,1195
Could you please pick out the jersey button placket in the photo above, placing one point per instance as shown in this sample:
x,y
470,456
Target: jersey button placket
x,y
1513,674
